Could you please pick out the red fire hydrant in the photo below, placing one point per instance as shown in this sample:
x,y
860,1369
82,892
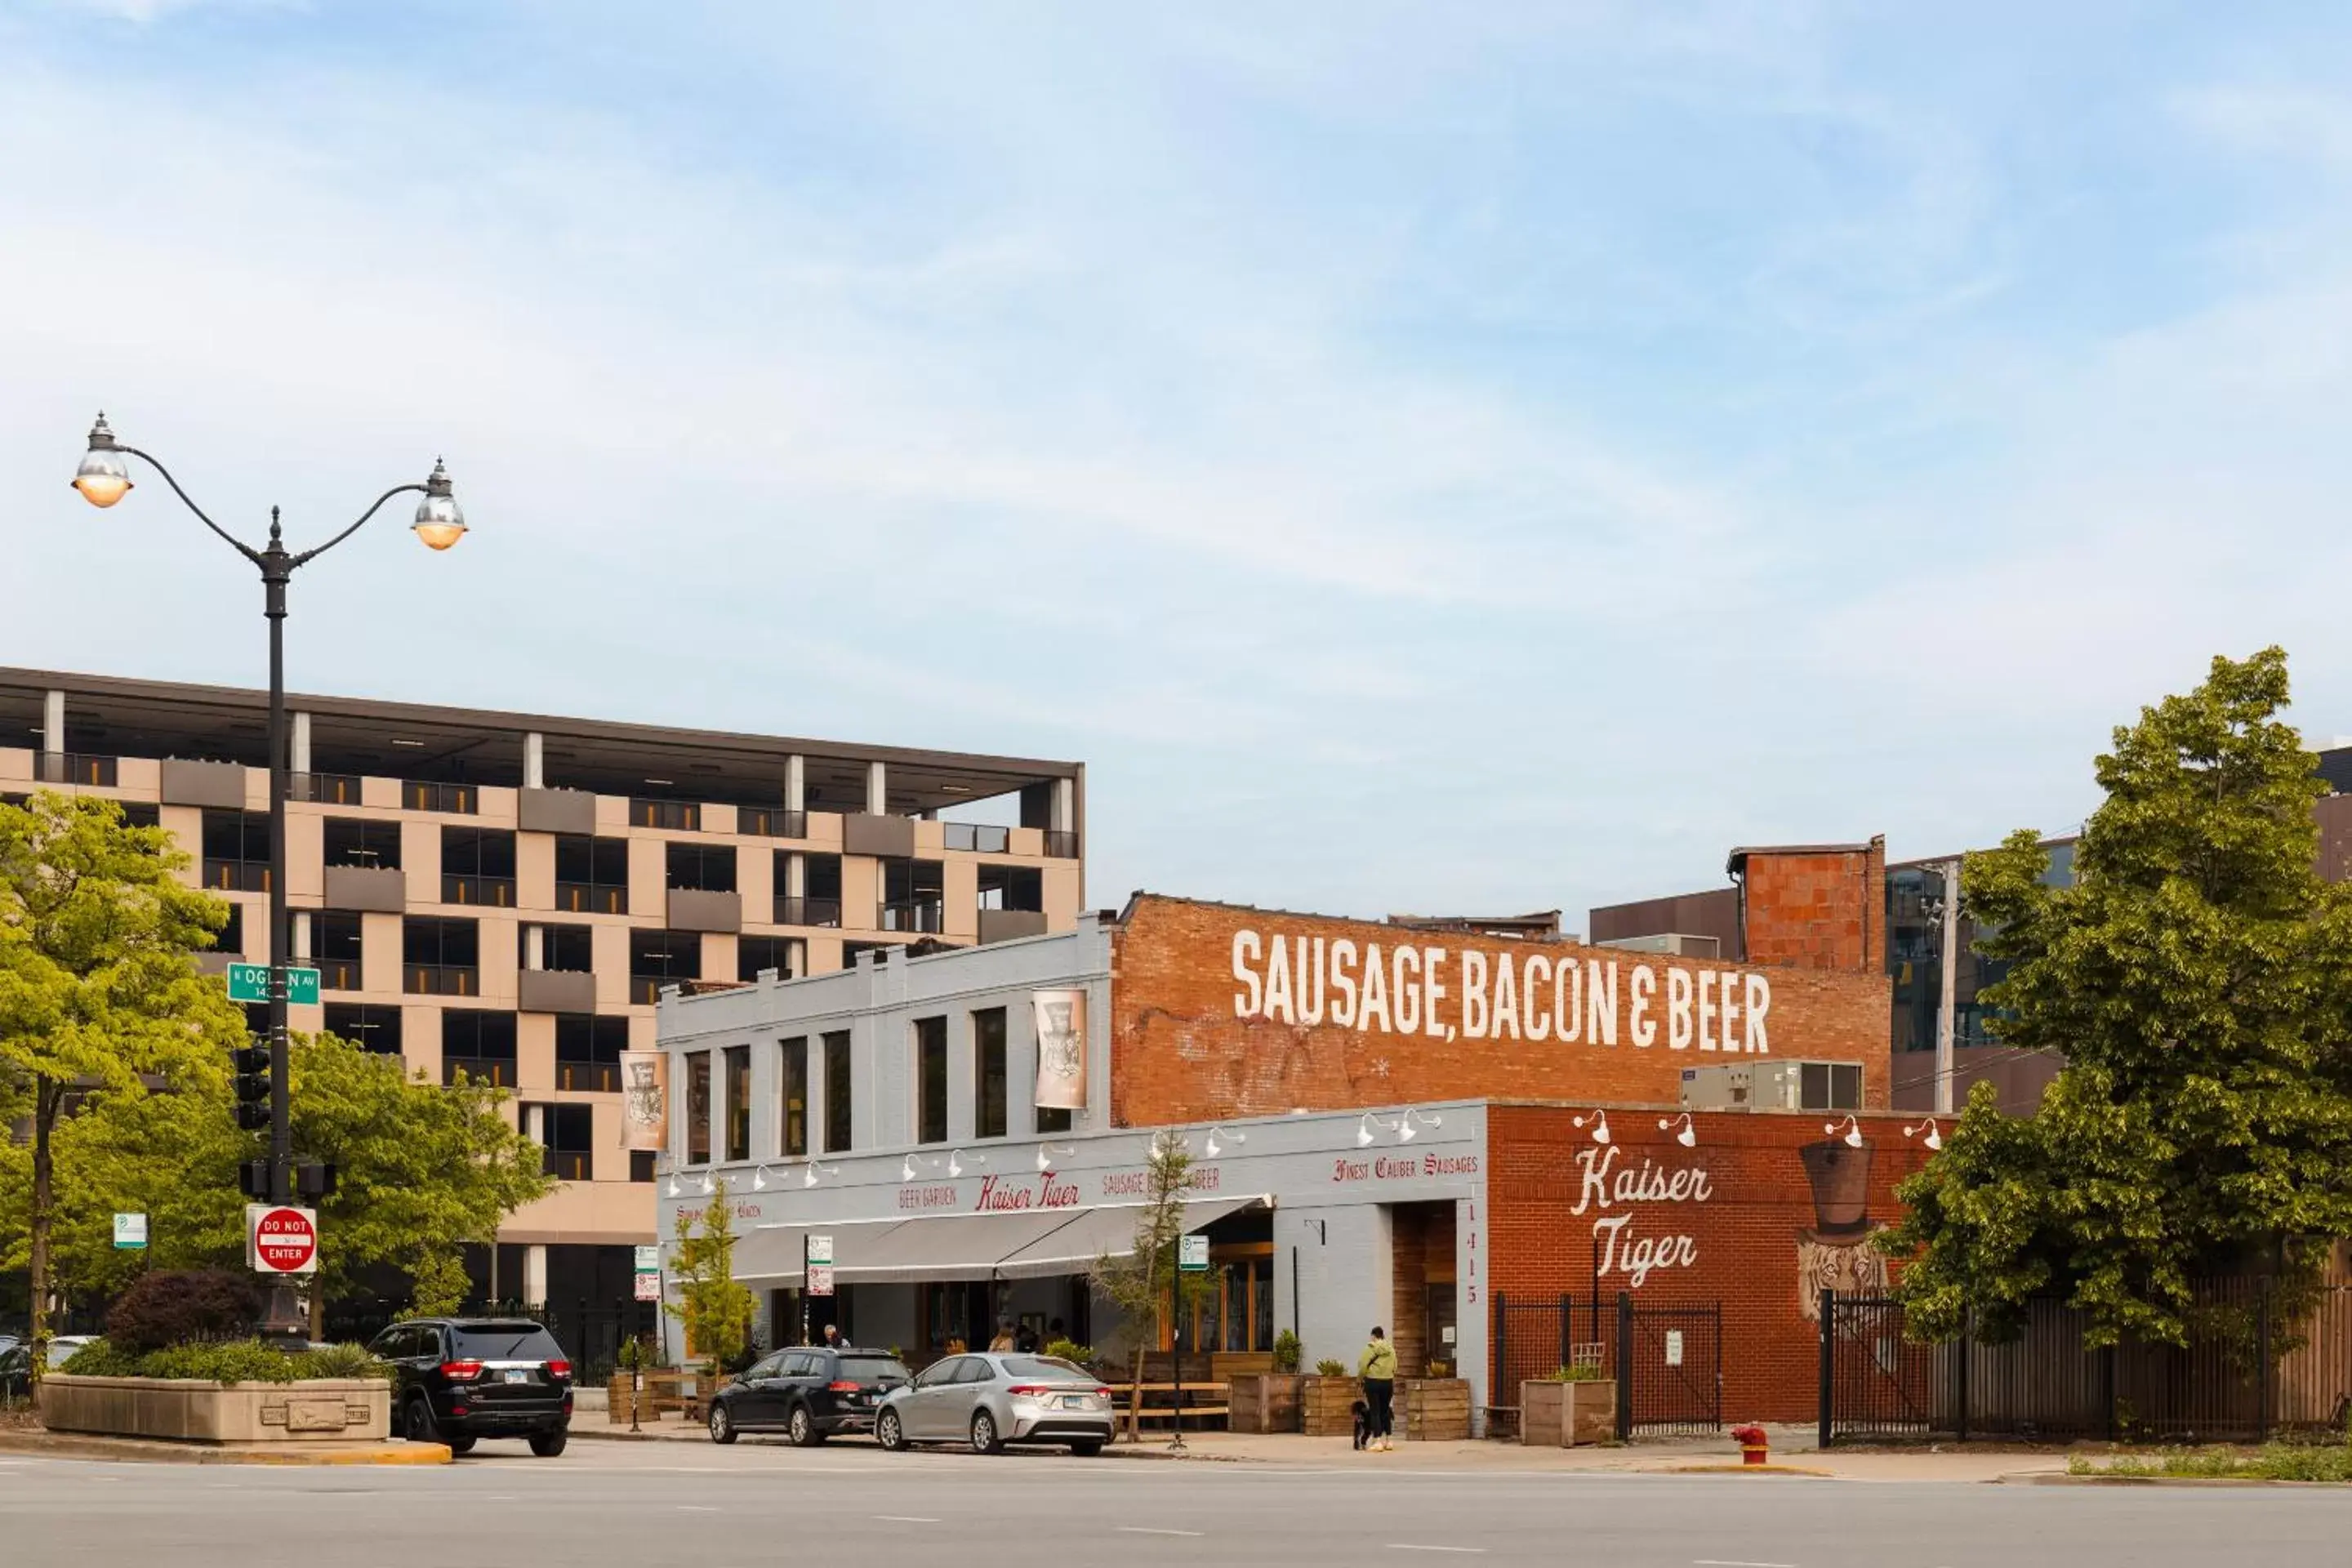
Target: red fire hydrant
x,y
1754,1449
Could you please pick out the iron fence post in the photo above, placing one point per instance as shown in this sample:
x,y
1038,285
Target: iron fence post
x,y
2262,1363
2107,1389
1829,1334
1566,1328
1967,1326
1624,1366
1497,1380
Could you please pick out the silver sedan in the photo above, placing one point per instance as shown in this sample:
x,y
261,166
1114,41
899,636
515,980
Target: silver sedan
x,y
993,1399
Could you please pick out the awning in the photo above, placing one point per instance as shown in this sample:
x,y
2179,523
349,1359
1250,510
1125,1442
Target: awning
x,y
772,1254
947,1247
1105,1233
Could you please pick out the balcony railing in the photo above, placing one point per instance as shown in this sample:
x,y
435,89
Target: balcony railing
x,y
440,980
977,836
644,990
913,914
797,912
603,1076
499,1071
74,768
495,892
678,815
1061,843
590,899
338,974
770,822
325,789
463,800
237,875
566,1164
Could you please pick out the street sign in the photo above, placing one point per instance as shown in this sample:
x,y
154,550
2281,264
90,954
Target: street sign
x,y
820,1278
130,1230
250,982
648,1288
1192,1255
820,1250
281,1239
1674,1347
648,1257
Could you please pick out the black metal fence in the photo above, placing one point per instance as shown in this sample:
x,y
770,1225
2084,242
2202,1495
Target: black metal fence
x,y
2254,1373
1665,1358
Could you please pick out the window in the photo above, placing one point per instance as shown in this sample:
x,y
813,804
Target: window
x,y
1061,843
770,822
702,868
232,935
588,1049
237,851
375,1029
792,1099
1011,888
988,1069
335,949
327,789
698,1108
1237,1311
930,1080
1053,1119
641,1164
567,948
440,957
754,954
568,1135
592,875
1830,1086
819,901
461,799
358,841
482,1045
836,1094
913,896
140,814
738,1060
678,815
976,837
659,958
478,867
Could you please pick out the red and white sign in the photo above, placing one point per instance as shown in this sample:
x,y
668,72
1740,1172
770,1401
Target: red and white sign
x,y
280,1240
820,1278
648,1287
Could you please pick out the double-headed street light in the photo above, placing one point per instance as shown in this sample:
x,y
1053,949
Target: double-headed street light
x,y
104,478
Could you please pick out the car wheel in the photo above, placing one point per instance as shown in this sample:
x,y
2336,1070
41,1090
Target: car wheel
x,y
418,1426
801,1428
888,1432
547,1445
459,1446
722,1426
985,1439
1086,1447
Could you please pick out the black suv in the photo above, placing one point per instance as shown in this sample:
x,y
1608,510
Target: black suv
x,y
457,1379
807,1394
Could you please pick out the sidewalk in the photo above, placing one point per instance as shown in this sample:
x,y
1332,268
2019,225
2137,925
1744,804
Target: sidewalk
x,y
162,1451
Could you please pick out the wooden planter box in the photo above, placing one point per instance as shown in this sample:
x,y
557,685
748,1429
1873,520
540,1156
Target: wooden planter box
x,y
1433,1409
196,1410
1327,1406
1563,1414
1264,1402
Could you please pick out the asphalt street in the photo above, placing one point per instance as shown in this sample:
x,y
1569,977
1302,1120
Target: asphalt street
x,y
649,1506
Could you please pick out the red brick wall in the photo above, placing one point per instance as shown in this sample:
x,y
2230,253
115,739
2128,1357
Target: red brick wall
x,y
1818,910
1743,1243
1181,1051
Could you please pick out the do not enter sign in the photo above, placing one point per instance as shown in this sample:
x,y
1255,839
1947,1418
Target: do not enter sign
x,y
281,1240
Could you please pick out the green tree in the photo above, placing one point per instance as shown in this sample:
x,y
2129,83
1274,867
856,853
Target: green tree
x,y
2198,979
712,1305
1148,1284
99,988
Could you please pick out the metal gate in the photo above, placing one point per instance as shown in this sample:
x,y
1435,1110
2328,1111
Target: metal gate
x,y
1874,1382
1666,1358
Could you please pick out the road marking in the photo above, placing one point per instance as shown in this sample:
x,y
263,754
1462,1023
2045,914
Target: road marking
x,y
1409,1546
695,1508
1734,1563
906,1518
1147,1530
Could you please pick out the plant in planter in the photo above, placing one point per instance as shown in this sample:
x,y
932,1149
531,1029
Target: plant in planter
x,y
1568,1406
1327,1400
1287,1351
1327,1367
1268,1400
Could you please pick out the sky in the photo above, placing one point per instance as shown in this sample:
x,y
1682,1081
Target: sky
x,y
1421,457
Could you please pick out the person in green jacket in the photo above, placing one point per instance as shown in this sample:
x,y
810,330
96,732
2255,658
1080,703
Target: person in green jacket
x,y
1378,1369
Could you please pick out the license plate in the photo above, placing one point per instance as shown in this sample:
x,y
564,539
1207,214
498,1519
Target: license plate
x,y
1075,1401
518,1376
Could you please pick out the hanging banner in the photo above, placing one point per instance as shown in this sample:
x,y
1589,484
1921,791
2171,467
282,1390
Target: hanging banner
x,y
645,1099
1061,1049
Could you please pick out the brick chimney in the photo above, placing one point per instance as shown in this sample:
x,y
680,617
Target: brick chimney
x,y
1813,906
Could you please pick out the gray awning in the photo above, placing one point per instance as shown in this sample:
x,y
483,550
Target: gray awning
x,y
1097,1233
772,1254
949,1247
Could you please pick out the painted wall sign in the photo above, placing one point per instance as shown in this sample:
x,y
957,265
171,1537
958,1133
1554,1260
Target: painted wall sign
x,y
644,1099
1061,1018
1615,1191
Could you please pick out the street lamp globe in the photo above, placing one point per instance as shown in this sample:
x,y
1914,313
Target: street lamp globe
x,y
439,521
104,476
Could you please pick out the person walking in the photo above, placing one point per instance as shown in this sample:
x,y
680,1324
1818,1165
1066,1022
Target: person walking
x,y
1378,1369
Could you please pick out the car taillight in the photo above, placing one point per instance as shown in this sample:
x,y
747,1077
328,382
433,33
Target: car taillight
x,y
1026,1390
461,1371
559,1369
1102,1393
843,1386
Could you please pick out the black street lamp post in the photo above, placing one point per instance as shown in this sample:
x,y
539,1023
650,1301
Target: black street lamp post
x,y
104,479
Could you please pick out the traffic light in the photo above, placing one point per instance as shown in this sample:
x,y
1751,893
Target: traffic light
x,y
314,1182
252,1087
253,1179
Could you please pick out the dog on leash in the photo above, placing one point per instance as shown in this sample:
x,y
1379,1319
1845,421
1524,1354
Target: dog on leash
x,y
1363,1423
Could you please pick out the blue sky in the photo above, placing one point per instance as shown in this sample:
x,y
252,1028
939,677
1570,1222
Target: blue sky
x,y
1420,456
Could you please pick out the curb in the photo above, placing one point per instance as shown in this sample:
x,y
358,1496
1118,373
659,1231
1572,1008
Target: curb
x,y
165,1451
2052,1479
1743,1470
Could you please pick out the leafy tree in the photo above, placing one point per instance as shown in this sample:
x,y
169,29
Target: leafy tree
x,y
437,1283
99,989
2197,978
1148,1284
713,1306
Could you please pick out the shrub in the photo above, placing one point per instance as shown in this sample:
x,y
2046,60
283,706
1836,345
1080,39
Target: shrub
x,y
180,1307
100,1358
239,1360
1071,1350
343,1361
1581,1373
1287,1351
1326,1367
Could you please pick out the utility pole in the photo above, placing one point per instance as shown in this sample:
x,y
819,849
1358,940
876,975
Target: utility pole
x,y
1949,972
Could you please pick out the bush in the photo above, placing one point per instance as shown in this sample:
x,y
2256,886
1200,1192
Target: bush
x,y
99,1358
1581,1373
1287,1351
1071,1350
1326,1367
180,1307
343,1361
238,1360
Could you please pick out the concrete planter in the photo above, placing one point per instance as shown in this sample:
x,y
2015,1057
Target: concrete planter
x,y
1433,1410
1563,1414
1262,1401
193,1410
1327,1406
